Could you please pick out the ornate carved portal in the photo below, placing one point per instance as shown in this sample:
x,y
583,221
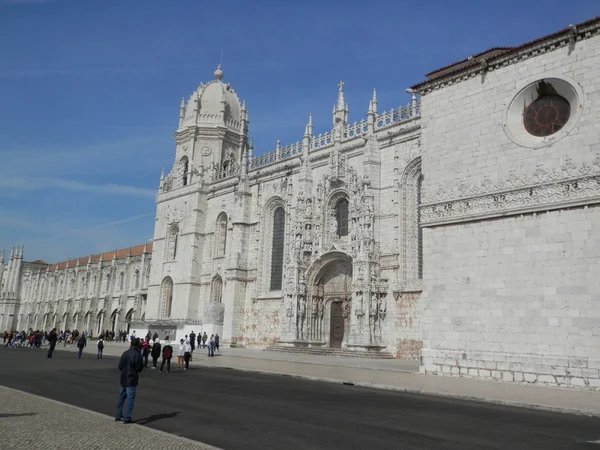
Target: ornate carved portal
x,y
330,299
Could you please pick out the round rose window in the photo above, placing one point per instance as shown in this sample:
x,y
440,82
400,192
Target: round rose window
x,y
546,115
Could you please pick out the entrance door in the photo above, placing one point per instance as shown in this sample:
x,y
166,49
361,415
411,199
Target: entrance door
x,y
336,334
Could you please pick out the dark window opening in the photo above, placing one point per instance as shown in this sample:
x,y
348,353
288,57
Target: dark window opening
x,y
277,250
341,215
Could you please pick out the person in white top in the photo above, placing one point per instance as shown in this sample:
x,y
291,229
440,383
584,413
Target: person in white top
x,y
180,354
187,354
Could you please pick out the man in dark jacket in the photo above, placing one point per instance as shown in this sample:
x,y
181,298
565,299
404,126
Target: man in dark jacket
x,y
130,365
52,338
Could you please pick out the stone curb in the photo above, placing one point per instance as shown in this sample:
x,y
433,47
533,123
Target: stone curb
x,y
107,417
562,410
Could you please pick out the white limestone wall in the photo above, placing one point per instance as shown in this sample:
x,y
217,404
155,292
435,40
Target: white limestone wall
x,y
463,134
510,298
515,299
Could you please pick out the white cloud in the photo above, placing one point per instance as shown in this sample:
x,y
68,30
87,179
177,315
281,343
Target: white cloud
x,y
43,183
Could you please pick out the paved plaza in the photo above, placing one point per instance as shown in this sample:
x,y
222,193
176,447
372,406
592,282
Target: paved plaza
x,y
233,409
35,423
399,375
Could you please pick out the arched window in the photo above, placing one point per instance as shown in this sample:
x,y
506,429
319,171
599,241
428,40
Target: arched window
x,y
121,281
183,170
277,249
166,298
221,235
216,290
137,278
172,241
341,216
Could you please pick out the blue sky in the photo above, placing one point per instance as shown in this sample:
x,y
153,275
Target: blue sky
x,y
90,90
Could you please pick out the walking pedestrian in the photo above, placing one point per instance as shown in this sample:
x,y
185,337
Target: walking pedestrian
x,y
204,338
187,355
146,351
217,338
180,353
211,346
130,365
52,338
167,353
155,353
192,343
200,340
81,343
9,337
100,348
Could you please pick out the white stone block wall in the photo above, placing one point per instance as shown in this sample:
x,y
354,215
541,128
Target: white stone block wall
x,y
515,299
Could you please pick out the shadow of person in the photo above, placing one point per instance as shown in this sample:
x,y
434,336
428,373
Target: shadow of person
x,y
4,416
155,417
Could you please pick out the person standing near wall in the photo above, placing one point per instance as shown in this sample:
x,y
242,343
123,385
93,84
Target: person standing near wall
x,y
187,355
130,365
167,354
52,338
81,343
155,353
192,343
100,348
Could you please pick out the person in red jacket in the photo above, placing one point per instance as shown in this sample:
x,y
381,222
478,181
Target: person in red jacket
x,y
146,351
167,354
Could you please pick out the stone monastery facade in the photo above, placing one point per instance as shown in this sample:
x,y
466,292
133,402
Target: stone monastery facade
x,y
460,229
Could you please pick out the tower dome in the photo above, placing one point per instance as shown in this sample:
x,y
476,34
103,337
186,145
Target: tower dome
x,y
216,102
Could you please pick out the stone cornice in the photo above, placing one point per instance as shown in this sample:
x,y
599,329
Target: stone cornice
x,y
553,42
178,192
543,190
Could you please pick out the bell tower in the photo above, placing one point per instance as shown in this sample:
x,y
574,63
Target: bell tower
x,y
210,139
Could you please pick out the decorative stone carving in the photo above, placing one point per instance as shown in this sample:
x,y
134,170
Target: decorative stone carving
x,y
173,216
569,185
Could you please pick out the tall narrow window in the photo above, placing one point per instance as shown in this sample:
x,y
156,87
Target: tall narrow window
x,y
221,235
107,282
341,215
216,291
137,278
94,284
277,249
183,170
172,241
121,281
166,300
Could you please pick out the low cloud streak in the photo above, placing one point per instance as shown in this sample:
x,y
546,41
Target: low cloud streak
x,y
43,183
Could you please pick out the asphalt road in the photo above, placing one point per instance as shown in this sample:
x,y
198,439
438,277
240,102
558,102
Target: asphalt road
x,y
242,410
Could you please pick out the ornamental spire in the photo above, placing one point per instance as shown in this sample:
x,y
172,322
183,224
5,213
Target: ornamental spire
x,y
341,103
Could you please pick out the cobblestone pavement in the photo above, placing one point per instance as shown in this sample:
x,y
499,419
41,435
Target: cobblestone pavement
x,y
36,423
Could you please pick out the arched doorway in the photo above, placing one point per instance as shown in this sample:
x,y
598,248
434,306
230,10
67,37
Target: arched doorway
x,y
166,298
114,318
75,321
100,322
330,296
128,319
86,321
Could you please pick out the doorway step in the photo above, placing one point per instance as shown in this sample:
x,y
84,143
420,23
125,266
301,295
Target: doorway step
x,y
326,351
